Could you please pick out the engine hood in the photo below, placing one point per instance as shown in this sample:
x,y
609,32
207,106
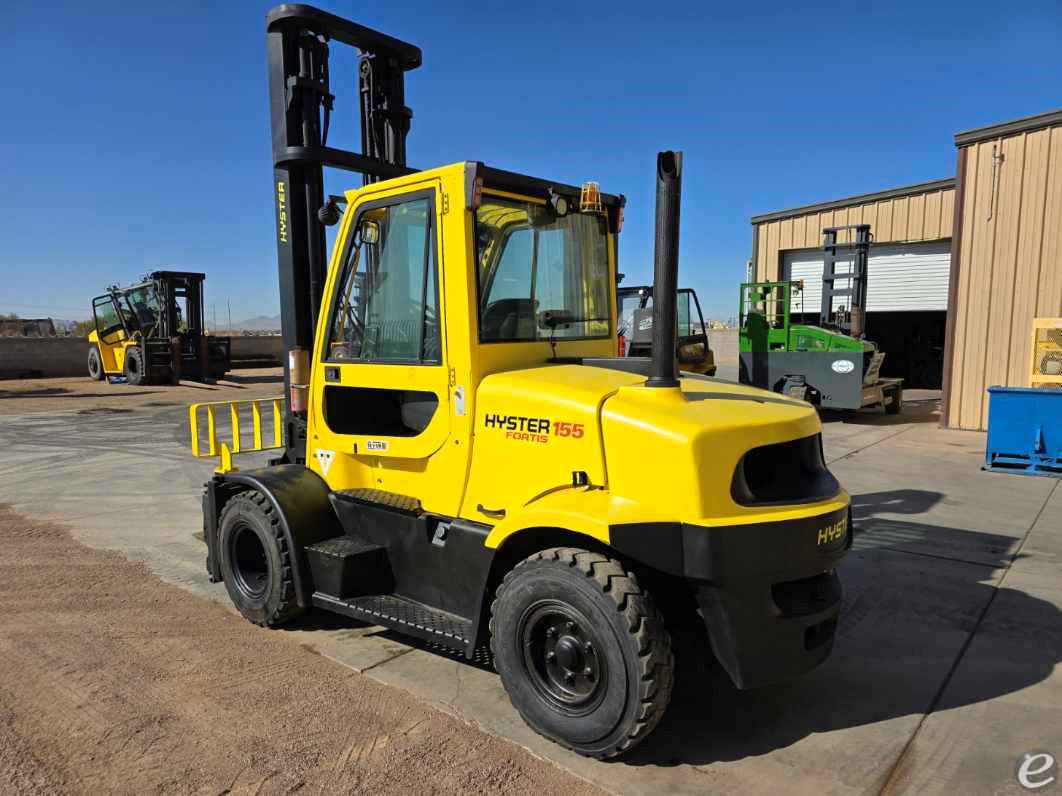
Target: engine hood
x,y
675,452
664,454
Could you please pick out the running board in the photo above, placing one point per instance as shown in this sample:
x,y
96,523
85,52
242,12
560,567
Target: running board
x,y
404,615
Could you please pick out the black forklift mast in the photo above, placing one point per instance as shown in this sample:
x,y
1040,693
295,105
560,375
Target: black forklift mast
x,y
174,285
850,322
301,105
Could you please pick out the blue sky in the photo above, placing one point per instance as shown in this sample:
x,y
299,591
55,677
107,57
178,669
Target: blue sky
x,y
138,138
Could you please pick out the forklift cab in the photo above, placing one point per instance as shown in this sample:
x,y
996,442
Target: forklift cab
x,y
413,321
635,321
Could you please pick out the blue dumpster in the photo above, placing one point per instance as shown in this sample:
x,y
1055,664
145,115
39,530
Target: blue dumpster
x,y
1024,431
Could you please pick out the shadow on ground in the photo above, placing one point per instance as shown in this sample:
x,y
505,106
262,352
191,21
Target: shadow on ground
x,y
894,501
238,379
63,392
923,410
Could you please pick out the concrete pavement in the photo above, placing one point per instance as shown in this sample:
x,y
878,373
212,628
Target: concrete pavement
x,y
943,671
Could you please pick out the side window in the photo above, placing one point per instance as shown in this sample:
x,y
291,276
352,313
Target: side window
x,y
386,308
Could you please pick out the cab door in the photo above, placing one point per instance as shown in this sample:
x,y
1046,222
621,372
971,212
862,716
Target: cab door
x,y
692,340
111,333
380,400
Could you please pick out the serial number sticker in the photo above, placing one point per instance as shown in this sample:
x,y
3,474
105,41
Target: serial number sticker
x,y
376,445
831,533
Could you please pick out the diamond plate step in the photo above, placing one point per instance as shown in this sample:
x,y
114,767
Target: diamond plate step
x,y
405,615
379,498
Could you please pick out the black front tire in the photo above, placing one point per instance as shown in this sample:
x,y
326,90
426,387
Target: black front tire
x,y
582,651
134,367
894,406
95,364
255,561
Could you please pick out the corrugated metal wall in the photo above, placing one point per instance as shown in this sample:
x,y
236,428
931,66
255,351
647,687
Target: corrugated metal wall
x,y
1008,267
926,216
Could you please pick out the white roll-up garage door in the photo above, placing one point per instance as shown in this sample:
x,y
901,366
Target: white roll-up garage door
x,y
901,276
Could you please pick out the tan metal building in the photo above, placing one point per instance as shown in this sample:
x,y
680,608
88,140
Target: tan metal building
x,y
1007,259
962,264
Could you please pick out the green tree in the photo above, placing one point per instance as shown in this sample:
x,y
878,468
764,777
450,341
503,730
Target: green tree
x,y
82,328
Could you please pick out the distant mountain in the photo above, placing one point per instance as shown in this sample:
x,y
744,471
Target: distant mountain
x,y
259,323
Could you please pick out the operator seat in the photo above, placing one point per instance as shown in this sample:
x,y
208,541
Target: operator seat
x,y
509,319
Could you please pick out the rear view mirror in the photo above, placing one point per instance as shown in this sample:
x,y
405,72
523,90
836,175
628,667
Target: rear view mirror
x,y
370,232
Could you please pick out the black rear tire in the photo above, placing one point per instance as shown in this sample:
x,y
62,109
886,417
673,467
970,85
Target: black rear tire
x,y
134,367
582,651
95,364
255,561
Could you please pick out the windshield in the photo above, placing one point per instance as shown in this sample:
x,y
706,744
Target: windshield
x,y
540,276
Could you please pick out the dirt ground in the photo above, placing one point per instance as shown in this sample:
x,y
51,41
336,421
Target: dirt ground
x,y
81,393
114,682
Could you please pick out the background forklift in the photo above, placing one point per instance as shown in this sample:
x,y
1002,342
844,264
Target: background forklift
x,y
463,457
153,332
831,365
636,328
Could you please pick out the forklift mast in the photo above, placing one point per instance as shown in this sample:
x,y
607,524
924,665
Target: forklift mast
x,y
301,106
171,286
850,322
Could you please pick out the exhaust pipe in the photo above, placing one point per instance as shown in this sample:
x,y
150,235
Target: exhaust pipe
x,y
664,368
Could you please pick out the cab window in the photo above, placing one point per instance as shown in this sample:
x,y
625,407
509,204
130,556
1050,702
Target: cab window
x,y
108,322
386,308
143,307
685,316
539,275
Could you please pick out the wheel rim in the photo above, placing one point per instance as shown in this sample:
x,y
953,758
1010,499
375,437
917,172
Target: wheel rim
x,y
250,566
563,657
94,364
132,364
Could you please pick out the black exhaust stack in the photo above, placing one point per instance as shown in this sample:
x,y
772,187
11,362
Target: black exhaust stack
x,y
664,369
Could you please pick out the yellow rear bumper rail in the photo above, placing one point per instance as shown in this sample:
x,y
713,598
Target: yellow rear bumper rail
x,y
239,417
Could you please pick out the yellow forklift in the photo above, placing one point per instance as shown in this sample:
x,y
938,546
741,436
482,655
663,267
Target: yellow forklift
x,y
154,332
465,460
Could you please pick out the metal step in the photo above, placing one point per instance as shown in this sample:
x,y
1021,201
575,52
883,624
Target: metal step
x,y
406,616
346,566
380,499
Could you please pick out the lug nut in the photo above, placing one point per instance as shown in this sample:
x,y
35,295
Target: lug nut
x,y
551,656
